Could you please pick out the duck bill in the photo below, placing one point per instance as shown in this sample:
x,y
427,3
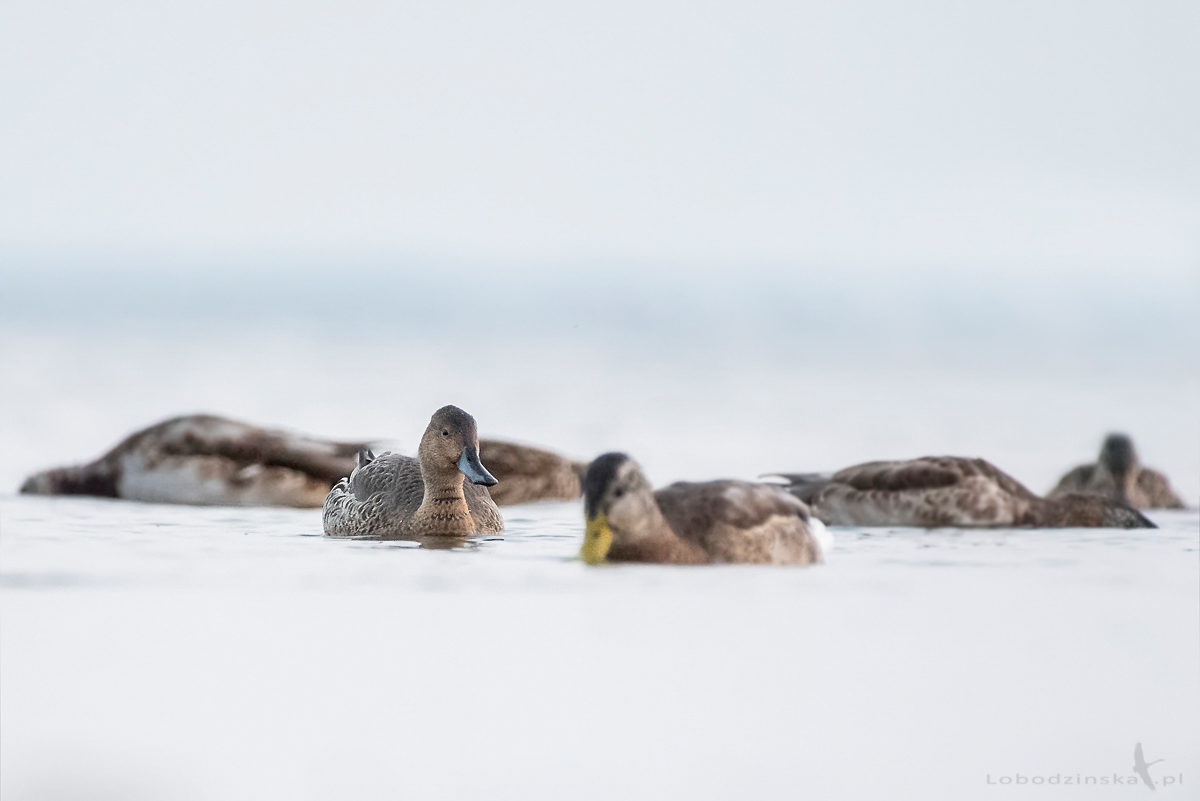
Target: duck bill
x,y
597,539
470,466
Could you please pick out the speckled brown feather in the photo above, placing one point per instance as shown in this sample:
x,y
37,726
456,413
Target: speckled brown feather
x,y
738,521
379,499
1149,489
207,459
937,491
397,496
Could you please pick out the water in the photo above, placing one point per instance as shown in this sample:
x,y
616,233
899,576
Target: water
x,y
172,652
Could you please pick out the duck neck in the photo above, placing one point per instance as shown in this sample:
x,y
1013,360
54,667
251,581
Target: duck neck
x,y
1124,482
443,508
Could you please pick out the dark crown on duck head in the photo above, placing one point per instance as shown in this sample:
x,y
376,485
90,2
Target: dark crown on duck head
x,y
1117,453
452,416
600,474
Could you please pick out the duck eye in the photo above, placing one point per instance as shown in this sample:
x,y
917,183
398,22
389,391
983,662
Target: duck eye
x,y
445,433
618,492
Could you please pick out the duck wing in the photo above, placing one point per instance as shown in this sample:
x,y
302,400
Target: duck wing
x,y
244,444
1158,491
376,499
741,521
928,492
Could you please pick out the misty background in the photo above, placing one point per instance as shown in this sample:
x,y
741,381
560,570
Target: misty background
x,y
340,216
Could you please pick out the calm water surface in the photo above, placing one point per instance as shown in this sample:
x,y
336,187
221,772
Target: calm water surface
x,y
154,652
176,652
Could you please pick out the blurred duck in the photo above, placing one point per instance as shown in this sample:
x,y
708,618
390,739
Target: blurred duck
x,y
441,493
530,474
1118,475
207,460
692,523
204,459
937,491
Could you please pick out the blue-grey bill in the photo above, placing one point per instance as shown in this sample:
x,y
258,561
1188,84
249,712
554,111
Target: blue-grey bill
x,y
470,466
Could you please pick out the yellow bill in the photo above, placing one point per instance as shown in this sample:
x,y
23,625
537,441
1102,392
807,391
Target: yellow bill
x,y
597,539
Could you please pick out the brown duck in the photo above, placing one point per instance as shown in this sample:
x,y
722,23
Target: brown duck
x,y
692,523
937,491
1118,474
205,459
530,474
440,493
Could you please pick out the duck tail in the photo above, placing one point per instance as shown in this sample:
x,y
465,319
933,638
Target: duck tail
x,y
803,485
337,511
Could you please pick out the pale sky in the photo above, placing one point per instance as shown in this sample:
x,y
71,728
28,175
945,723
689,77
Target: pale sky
x,y
1032,136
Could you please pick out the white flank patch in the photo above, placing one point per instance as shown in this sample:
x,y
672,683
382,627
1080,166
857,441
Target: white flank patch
x,y
821,534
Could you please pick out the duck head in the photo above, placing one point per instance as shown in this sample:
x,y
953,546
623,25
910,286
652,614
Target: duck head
x,y
1117,453
1118,457
451,444
618,503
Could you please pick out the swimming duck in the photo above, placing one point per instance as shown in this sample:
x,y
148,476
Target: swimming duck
x,y
207,460
440,493
1119,475
530,474
936,491
692,523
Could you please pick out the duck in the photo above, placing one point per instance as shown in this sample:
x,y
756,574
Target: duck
x,y
1119,475
691,523
207,460
527,473
441,493
953,491
211,460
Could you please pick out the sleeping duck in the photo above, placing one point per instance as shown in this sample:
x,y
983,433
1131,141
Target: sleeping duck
x,y
443,492
1119,475
207,460
936,491
692,523
204,459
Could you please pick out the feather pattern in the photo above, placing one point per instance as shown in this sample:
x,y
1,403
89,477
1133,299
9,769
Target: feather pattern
x,y
937,491
1118,474
208,460
391,495
381,498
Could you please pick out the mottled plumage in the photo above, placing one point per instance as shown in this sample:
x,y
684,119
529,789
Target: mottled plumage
x,y
692,523
1118,474
528,474
937,491
207,460
390,495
